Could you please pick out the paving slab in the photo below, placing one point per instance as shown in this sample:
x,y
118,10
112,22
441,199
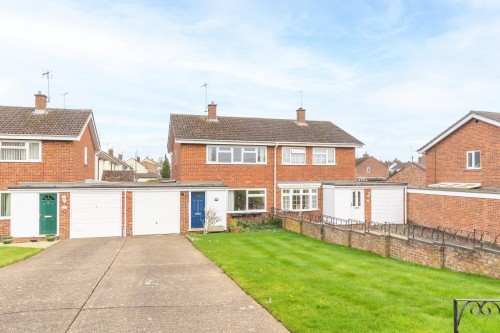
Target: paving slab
x,y
38,321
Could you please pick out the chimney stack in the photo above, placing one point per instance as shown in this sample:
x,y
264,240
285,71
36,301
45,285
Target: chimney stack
x,y
301,116
110,151
40,102
212,111
138,159
120,157
365,155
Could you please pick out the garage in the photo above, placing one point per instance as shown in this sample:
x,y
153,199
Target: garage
x,y
156,212
95,214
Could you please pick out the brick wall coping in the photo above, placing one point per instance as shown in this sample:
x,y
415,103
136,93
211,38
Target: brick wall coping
x,y
477,193
121,185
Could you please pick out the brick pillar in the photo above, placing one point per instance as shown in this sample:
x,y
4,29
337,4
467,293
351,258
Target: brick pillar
x,y
130,203
368,205
184,207
64,215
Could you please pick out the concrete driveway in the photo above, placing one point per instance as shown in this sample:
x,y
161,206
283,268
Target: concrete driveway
x,y
138,284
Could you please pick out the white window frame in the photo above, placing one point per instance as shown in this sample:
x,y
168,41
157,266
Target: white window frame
x,y
472,153
368,170
4,217
324,152
233,156
26,147
312,194
356,200
288,152
230,209
85,156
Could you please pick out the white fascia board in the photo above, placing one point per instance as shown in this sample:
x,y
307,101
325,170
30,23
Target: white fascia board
x,y
299,185
39,137
455,193
268,143
454,128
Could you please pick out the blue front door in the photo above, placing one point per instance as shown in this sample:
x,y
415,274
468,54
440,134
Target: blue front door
x,y
197,209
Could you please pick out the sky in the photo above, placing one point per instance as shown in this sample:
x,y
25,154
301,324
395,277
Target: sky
x,y
391,73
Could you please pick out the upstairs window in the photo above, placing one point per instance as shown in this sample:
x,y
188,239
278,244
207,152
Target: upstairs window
x,y
85,156
17,151
474,159
4,205
294,155
323,156
368,170
236,155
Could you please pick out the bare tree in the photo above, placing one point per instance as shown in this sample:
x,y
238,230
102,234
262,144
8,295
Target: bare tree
x,y
211,219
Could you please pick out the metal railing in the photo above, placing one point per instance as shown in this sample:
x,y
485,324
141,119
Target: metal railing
x,y
477,307
475,238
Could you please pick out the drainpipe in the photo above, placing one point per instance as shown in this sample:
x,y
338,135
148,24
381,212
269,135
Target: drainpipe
x,y
275,176
405,205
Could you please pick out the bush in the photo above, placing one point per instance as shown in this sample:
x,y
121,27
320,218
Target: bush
x,y
258,223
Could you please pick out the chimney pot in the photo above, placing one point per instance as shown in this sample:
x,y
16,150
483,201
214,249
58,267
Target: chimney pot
x,y
110,151
138,159
212,111
40,102
301,116
120,157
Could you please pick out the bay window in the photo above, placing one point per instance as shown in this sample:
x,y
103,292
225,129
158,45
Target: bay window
x,y
19,151
247,200
299,199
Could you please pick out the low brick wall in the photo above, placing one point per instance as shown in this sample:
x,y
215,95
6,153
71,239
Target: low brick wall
x,y
475,261
4,227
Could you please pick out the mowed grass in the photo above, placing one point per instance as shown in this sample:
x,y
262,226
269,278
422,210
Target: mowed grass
x,y
12,254
313,286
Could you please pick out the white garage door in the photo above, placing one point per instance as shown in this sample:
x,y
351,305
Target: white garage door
x,y
388,205
156,213
95,214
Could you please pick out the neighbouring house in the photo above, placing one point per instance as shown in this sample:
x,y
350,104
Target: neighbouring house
x,y
412,174
40,144
265,162
151,165
368,168
136,165
107,161
466,152
462,177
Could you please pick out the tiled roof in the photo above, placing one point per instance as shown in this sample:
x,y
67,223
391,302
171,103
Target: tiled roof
x,y
195,127
360,160
17,120
105,156
118,175
495,116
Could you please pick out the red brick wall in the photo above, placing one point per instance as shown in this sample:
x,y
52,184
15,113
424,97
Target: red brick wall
x,y
127,216
62,161
184,207
189,165
64,215
446,161
368,204
377,169
462,213
4,227
412,175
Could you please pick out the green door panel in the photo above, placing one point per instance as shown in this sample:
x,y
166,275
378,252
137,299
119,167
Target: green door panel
x,y
48,213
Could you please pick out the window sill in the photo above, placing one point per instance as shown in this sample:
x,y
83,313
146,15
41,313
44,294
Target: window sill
x,y
244,212
31,161
301,211
324,164
472,169
4,218
293,163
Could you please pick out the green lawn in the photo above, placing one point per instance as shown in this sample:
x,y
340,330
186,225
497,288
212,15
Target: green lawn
x,y
12,254
313,286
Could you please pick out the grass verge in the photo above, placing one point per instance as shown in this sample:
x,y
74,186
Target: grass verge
x,y
313,286
12,254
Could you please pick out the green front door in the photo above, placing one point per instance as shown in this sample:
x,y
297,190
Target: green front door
x,y
48,213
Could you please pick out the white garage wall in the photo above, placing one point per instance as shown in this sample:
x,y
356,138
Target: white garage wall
x,y
328,201
217,199
156,212
24,220
388,205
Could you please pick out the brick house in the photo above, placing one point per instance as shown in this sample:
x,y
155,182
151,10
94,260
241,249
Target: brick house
x,y
369,168
412,174
109,162
40,144
466,152
265,162
462,177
